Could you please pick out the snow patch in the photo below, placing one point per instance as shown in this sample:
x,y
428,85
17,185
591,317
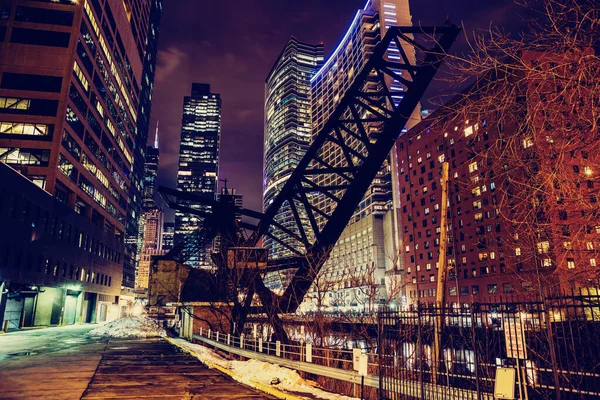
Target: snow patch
x,y
129,328
255,371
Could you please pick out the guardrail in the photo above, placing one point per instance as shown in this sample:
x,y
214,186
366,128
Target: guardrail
x,y
303,358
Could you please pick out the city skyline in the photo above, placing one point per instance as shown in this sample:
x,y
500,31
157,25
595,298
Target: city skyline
x,y
242,69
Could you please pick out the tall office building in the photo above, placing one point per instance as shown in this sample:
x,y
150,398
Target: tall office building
x,y
152,245
287,125
168,236
70,89
151,173
135,208
370,241
198,160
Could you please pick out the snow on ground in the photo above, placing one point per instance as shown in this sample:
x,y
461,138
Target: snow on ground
x,y
129,328
255,371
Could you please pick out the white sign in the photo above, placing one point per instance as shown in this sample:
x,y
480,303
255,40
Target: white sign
x,y
514,336
356,353
504,385
260,345
363,364
217,336
242,341
278,348
228,339
308,352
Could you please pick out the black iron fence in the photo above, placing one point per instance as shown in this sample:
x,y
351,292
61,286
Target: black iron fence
x,y
552,343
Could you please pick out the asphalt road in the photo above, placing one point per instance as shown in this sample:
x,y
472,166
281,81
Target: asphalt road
x,y
67,363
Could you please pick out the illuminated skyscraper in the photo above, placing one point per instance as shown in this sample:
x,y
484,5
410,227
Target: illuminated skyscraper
x,y
72,85
151,173
198,159
287,124
371,239
168,235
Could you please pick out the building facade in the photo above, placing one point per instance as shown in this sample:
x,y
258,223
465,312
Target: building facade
x,y
56,266
168,236
522,193
136,193
198,161
368,246
287,125
70,87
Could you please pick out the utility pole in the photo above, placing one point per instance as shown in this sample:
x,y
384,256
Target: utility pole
x,y
441,274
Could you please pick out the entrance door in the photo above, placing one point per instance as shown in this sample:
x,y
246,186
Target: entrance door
x,y
28,307
70,309
102,312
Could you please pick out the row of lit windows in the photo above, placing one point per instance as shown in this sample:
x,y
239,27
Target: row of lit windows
x,y
21,128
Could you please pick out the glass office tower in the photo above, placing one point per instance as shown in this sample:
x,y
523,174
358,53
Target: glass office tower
x,y
198,162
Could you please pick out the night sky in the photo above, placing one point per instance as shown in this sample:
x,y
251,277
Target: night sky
x,y
232,45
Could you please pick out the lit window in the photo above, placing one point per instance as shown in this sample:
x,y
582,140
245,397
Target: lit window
x,y
473,167
468,131
19,128
518,251
14,104
570,263
592,262
543,247
527,142
589,245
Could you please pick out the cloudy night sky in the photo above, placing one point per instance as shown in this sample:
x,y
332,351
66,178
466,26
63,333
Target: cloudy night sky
x,y
232,45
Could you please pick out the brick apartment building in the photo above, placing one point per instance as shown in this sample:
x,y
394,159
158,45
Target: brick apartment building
x,y
522,210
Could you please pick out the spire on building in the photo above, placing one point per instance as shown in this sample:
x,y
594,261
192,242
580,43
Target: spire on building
x,y
156,136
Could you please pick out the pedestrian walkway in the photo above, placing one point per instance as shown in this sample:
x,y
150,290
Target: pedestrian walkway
x,y
154,368
65,363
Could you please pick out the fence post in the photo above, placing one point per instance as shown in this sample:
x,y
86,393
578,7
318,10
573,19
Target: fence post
x,y
278,348
242,341
208,334
308,353
200,331
228,339
260,345
552,349
217,336
475,352
381,351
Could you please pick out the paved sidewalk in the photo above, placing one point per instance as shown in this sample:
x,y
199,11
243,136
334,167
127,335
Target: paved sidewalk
x,y
66,363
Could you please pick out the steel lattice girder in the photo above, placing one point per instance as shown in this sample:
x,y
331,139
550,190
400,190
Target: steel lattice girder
x,y
348,130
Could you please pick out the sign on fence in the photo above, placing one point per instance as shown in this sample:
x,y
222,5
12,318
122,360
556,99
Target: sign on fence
x,y
363,364
504,385
514,336
308,352
278,348
260,345
356,353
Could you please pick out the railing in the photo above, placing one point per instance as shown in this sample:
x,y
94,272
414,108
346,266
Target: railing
x,y
331,363
319,361
553,344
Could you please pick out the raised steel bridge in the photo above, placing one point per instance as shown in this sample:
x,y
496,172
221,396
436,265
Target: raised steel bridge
x,y
366,104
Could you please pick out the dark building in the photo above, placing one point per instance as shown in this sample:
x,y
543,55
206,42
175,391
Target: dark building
x,y
56,266
198,160
287,125
71,88
168,235
147,47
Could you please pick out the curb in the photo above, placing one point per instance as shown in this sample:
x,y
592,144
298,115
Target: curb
x,y
259,386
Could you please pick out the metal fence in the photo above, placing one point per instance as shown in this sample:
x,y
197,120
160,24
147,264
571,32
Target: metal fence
x,y
553,344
